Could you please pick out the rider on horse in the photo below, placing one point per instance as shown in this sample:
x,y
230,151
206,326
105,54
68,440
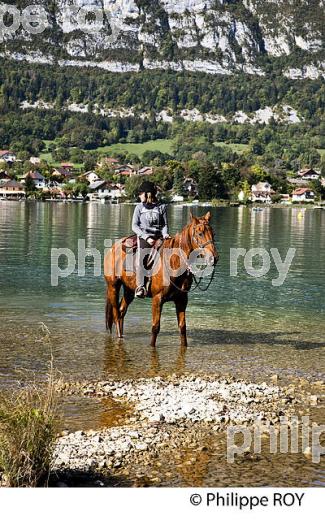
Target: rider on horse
x,y
150,224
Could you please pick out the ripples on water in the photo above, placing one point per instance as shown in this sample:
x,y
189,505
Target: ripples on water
x,y
242,325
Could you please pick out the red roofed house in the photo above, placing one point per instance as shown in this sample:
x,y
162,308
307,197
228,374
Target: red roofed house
x,y
7,155
303,195
125,169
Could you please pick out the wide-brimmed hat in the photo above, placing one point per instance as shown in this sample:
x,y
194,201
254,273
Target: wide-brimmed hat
x,y
148,187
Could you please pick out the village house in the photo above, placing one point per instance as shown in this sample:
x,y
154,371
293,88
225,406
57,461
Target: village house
x,y
177,198
146,170
8,156
308,174
109,161
190,186
262,192
61,172
12,190
35,161
105,190
4,177
53,192
39,181
89,177
303,195
303,177
285,198
125,169
67,166
189,189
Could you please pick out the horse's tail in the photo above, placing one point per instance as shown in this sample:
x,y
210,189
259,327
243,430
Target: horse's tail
x,y
109,314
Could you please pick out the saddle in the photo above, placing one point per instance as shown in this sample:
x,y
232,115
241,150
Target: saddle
x,y
130,244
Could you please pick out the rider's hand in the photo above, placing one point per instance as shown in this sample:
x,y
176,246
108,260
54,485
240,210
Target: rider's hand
x,y
151,241
167,236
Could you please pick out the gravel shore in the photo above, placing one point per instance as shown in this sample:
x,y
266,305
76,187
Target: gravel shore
x,y
166,412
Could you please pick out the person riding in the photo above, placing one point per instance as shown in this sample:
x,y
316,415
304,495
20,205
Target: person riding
x,y
150,224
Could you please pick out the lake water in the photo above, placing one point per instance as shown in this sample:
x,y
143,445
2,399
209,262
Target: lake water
x,y
243,325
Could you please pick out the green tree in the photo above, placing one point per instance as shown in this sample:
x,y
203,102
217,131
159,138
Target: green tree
x,y
30,186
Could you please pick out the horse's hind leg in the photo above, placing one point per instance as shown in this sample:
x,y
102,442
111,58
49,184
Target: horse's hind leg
x,y
113,291
127,299
156,315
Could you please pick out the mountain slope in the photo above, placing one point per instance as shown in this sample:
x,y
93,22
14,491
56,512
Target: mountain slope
x,y
214,36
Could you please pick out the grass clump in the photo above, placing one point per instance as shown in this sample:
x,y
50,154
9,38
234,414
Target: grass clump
x,y
28,428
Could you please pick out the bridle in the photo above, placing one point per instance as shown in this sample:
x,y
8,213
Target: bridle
x,y
201,246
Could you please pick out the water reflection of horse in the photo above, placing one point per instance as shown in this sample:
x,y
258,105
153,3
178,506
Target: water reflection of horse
x,y
196,237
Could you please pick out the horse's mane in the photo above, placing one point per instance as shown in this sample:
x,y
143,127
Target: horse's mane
x,y
183,237
180,239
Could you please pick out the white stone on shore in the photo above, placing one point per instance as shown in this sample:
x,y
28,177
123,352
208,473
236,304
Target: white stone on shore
x,y
159,403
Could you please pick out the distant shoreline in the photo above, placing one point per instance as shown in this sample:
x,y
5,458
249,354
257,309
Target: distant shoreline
x,y
179,204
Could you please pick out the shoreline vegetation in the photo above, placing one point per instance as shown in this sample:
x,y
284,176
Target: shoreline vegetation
x,y
210,204
28,426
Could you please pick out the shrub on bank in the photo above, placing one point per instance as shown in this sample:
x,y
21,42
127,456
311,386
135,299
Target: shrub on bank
x,y
28,427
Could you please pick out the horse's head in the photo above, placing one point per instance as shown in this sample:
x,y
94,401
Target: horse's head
x,y
202,237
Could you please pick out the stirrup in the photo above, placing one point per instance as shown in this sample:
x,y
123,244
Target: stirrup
x,y
140,292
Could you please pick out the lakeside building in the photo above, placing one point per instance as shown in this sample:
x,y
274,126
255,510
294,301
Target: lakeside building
x,y
39,181
105,190
12,190
262,192
303,195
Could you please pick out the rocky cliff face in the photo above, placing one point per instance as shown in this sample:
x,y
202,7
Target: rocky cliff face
x,y
214,36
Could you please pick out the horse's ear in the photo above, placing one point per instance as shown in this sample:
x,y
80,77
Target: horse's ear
x,y
208,216
192,217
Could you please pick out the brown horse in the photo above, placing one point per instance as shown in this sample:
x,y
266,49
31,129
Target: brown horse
x,y
196,238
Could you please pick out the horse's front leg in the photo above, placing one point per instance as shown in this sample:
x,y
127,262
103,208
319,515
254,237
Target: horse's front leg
x,y
181,304
156,315
127,299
